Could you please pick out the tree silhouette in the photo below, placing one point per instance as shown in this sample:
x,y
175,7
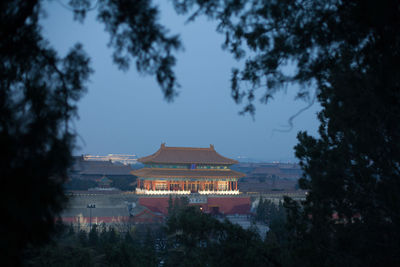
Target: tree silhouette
x,y
38,95
349,52
197,239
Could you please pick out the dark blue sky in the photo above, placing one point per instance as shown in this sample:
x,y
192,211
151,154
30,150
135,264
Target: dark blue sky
x,y
126,112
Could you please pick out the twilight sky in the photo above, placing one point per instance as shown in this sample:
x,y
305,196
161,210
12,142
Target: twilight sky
x,y
126,112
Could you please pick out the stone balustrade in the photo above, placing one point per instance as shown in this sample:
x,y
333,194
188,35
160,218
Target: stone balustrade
x,y
161,192
227,192
185,192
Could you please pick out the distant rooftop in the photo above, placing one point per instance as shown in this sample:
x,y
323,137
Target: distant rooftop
x,y
91,167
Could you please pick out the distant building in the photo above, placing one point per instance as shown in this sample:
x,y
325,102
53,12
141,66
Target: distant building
x,y
126,159
94,170
269,177
104,182
186,170
272,170
110,209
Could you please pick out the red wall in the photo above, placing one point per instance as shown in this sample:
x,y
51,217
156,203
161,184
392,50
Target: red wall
x,y
225,205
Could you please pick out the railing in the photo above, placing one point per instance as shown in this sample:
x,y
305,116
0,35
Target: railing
x,y
160,192
184,192
227,192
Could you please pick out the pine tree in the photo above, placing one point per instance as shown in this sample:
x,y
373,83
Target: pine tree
x,y
349,52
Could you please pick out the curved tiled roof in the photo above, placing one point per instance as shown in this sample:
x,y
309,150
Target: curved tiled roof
x,y
91,167
186,173
187,155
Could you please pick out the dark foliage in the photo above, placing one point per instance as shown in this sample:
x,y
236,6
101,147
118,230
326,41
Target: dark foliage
x,y
348,51
309,35
38,95
190,238
352,170
175,205
96,248
38,92
270,213
135,32
197,239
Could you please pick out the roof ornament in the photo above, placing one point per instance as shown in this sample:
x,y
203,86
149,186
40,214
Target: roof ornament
x,y
162,145
211,146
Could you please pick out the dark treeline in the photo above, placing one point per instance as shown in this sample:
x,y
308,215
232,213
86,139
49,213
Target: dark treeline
x,y
268,212
188,238
102,246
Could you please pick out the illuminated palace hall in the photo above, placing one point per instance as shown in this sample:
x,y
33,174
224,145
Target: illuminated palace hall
x,y
186,170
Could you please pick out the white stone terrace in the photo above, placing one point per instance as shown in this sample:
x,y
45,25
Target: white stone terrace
x,y
185,192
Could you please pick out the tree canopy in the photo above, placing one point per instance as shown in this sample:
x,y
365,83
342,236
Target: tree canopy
x,y
38,95
348,51
310,36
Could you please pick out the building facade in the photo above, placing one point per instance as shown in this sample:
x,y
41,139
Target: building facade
x,y
187,170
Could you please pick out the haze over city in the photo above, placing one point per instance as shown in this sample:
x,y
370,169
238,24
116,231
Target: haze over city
x,y
126,112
